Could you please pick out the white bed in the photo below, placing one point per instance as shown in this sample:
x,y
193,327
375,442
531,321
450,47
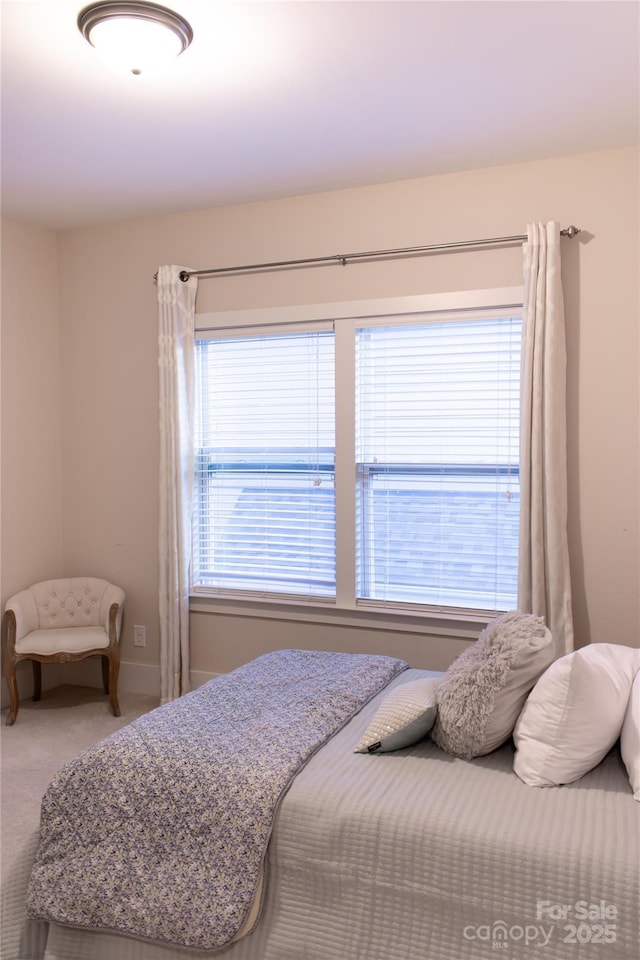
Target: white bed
x,y
416,855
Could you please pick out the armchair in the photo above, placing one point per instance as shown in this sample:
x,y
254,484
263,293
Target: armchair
x,y
60,621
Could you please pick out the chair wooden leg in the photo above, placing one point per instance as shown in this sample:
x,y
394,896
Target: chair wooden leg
x,y
105,674
37,679
114,670
8,637
10,677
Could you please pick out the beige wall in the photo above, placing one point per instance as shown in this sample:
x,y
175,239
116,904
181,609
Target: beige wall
x,y
109,376
31,539
31,546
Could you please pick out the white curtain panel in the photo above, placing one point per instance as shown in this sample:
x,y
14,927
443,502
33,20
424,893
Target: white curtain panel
x,y
544,586
176,308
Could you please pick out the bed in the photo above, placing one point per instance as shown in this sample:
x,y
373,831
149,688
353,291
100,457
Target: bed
x,y
416,855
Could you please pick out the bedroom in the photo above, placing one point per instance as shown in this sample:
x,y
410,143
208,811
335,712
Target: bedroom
x,y
79,312
103,493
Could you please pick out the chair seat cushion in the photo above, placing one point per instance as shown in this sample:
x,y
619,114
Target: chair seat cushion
x,y
61,640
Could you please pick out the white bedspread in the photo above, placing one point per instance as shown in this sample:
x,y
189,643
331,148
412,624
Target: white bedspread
x,y
415,855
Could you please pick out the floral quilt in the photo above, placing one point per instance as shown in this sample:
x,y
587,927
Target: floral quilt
x,y
160,831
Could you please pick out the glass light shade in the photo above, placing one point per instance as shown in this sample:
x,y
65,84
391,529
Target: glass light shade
x,y
135,47
135,38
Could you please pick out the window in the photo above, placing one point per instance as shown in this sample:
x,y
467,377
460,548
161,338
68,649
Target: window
x,y
437,462
362,460
265,518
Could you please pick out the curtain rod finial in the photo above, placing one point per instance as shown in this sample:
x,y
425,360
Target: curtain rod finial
x,y
571,232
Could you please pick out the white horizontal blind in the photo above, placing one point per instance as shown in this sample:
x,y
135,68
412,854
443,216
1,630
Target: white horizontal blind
x,y
437,428
264,499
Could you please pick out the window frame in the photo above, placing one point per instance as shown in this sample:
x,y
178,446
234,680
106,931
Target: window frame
x,y
344,317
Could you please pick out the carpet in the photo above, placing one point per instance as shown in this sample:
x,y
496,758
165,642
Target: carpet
x,y
47,734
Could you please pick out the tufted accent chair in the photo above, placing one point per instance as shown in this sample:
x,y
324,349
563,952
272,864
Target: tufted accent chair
x,y
58,621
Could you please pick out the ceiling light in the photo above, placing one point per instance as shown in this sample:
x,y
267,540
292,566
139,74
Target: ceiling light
x,y
135,38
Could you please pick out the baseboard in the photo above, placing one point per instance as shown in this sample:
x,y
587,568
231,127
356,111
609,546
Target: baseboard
x,y
134,677
198,677
139,678
145,678
53,675
25,687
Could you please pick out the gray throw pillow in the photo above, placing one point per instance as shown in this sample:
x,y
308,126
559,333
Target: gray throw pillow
x,y
484,689
405,716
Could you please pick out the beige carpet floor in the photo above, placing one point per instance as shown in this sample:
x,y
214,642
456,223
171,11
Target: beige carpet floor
x,y
46,734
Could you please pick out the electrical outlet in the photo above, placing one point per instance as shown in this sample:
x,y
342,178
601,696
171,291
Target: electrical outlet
x,y
139,636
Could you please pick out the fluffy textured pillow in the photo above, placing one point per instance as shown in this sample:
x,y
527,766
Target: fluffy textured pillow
x,y
574,714
630,738
484,689
405,716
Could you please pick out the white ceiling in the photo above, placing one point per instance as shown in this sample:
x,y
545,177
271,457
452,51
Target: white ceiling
x,y
281,98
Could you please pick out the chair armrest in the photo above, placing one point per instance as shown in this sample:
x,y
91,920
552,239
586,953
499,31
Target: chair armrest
x,y
24,607
113,594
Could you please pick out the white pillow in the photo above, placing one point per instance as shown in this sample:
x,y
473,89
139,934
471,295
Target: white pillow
x,y
405,716
630,738
574,714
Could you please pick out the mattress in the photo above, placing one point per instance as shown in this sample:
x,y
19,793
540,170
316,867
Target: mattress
x,y
416,855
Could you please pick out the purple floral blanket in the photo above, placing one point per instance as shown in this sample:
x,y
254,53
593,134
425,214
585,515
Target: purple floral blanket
x,y
160,832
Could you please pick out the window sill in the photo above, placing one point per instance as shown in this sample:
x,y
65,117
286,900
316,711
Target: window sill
x,y
459,626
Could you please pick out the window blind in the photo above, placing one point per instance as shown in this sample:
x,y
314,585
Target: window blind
x,y
265,499
437,453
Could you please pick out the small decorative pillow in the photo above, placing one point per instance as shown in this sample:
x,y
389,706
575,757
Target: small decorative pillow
x,y
485,687
574,714
630,738
405,716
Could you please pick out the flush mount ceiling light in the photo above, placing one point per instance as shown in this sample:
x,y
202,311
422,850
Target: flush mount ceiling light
x,y
135,38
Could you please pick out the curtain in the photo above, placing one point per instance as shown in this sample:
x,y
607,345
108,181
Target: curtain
x,y
176,309
544,587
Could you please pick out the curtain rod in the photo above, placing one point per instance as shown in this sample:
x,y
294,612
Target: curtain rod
x,y
345,258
